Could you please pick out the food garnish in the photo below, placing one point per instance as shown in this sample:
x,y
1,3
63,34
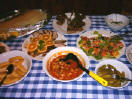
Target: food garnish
x,y
101,46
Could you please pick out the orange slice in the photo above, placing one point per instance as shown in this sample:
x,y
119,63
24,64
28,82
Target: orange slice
x,y
41,37
36,39
44,49
46,37
32,46
50,43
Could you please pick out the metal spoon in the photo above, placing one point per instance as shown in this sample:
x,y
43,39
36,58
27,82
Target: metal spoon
x,y
90,73
59,41
115,76
10,69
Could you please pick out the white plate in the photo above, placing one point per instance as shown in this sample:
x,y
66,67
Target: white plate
x,y
63,51
6,47
119,66
106,33
63,28
39,57
129,53
27,61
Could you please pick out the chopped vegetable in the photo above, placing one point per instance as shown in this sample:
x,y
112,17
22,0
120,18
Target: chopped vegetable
x,y
107,72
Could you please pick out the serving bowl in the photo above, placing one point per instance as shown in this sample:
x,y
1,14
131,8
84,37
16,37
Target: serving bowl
x,y
116,21
129,53
119,66
59,52
27,63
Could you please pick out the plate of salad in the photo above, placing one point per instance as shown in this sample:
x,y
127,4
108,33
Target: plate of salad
x,y
101,44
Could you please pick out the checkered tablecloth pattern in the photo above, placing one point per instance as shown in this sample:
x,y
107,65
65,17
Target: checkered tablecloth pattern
x,y
39,85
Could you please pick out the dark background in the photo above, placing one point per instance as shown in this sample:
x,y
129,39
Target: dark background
x,y
91,7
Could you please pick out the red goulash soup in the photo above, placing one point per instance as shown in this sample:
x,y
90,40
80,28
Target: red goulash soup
x,y
64,70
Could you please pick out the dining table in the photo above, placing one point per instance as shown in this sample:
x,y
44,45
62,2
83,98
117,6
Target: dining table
x,y
38,85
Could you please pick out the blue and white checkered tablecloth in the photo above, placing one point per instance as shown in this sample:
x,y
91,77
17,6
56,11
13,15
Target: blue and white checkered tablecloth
x,y
39,85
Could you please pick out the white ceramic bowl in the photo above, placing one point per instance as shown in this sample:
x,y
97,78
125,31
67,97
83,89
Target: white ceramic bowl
x,y
64,51
129,53
119,66
116,18
27,61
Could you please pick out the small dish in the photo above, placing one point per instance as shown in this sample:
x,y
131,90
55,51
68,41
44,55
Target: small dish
x,y
116,21
60,51
121,67
27,63
129,53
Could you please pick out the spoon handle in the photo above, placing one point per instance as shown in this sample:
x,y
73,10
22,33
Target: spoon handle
x,y
2,81
126,79
98,78
93,75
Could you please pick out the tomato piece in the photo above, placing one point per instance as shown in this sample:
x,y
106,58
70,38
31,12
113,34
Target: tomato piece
x,y
104,53
115,53
96,51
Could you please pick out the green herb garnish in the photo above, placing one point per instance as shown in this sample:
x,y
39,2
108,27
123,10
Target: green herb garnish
x,y
41,42
35,52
